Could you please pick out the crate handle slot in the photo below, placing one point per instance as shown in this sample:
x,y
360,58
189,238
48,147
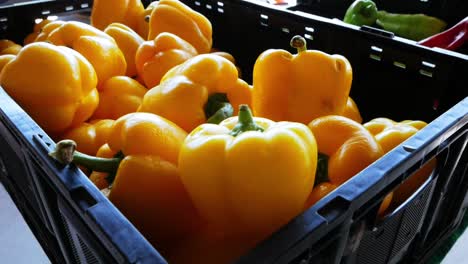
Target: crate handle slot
x,y
334,208
83,198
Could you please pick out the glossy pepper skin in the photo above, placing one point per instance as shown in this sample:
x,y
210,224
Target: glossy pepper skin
x,y
411,26
46,29
156,57
5,59
175,17
350,147
352,111
90,136
185,90
31,37
106,12
9,47
237,197
143,23
67,95
97,47
128,41
361,12
390,134
119,95
344,152
450,39
147,187
300,87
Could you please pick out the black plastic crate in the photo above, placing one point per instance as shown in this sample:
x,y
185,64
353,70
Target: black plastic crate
x,y
395,78
451,11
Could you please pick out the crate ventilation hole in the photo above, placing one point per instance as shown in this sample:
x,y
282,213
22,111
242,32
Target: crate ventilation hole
x,y
376,53
264,20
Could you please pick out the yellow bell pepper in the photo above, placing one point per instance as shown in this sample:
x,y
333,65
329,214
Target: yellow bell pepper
x,y
345,149
46,29
97,47
128,41
4,60
90,136
119,95
37,29
300,87
99,178
175,17
106,12
390,134
352,111
147,187
143,23
55,85
249,175
202,89
9,47
156,57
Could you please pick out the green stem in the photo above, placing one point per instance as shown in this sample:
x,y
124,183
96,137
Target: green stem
x,y
65,152
299,43
245,122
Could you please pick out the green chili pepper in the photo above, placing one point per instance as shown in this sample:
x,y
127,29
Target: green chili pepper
x,y
361,12
411,26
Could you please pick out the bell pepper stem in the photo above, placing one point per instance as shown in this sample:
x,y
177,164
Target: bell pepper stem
x,y
245,122
65,153
299,43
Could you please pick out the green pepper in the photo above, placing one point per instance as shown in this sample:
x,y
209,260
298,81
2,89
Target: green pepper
x,y
411,26
361,12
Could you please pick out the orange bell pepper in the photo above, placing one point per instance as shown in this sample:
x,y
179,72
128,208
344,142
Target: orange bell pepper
x,y
202,89
343,153
97,47
106,12
352,111
46,29
4,59
390,134
156,57
119,95
349,149
37,29
9,47
318,192
101,179
90,136
147,187
143,23
67,96
300,87
128,41
175,17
